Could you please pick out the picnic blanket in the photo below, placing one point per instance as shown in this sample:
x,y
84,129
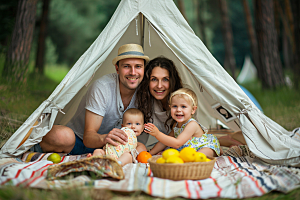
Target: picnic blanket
x,y
236,174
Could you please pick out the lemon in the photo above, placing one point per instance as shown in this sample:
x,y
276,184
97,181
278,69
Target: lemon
x,y
169,152
174,159
54,157
207,159
200,157
187,154
160,160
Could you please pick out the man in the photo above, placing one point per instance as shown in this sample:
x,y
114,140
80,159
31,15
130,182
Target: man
x,y
98,118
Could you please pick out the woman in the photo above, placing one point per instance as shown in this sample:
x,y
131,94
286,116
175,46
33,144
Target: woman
x,y
160,80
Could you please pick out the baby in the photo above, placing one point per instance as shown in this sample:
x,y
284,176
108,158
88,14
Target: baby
x,y
133,126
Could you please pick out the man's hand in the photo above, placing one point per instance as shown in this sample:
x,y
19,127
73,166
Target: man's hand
x,y
116,135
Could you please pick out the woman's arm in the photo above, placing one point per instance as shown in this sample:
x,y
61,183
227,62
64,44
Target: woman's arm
x,y
170,141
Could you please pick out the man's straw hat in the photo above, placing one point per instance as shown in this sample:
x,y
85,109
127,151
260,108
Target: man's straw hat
x,y
130,51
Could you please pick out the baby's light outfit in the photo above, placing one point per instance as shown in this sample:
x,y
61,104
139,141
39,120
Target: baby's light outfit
x,y
117,151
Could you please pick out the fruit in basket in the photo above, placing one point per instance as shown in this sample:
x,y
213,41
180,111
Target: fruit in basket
x,y
54,157
174,159
170,152
160,160
143,157
187,154
200,157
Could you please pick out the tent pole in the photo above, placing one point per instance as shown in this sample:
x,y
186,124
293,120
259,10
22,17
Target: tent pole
x,y
28,134
142,29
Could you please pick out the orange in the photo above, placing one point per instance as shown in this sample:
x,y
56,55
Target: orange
x,y
143,157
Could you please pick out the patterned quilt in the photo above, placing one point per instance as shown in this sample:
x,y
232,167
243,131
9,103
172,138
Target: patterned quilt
x,y
236,174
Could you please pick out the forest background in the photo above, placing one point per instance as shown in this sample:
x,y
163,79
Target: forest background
x,y
58,32
40,40
74,25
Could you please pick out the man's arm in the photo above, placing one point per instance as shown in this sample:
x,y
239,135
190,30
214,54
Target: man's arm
x,y
92,139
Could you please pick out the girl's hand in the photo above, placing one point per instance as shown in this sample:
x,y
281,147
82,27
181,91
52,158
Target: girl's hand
x,y
151,129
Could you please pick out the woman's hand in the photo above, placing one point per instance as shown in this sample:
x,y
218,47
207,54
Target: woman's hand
x,y
151,129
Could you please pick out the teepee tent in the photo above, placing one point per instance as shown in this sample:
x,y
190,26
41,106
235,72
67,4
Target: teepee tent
x,y
161,29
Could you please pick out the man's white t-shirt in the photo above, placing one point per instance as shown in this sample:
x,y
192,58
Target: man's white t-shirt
x,y
103,98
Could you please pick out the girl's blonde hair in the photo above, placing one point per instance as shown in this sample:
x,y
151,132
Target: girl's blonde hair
x,y
187,94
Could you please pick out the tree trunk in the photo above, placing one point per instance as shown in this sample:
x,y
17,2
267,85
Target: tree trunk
x,y
200,9
229,62
287,36
17,58
289,14
40,55
296,66
181,8
252,36
286,50
7,18
271,67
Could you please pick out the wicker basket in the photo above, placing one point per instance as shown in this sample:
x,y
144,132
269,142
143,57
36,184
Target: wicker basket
x,y
186,171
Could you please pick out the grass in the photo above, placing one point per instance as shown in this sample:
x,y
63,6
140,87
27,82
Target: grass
x,y
281,105
56,72
17,102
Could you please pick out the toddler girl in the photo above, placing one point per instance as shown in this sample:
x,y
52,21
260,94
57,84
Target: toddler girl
x,y
186,132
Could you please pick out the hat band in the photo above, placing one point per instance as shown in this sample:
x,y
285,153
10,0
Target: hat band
x,y
131,53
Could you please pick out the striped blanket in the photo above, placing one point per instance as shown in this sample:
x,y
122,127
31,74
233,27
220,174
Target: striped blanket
x,y
232,177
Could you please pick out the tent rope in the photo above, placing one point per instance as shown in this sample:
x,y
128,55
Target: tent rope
x,y
58,108
245,112
40,121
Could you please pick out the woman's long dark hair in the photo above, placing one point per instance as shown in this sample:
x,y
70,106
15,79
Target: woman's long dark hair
x,y
144,99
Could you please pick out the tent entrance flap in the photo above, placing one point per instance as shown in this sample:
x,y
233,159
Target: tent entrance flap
x,y
28,134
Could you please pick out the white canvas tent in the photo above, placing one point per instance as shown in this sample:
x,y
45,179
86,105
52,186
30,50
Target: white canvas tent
x,y
161,29
248,72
